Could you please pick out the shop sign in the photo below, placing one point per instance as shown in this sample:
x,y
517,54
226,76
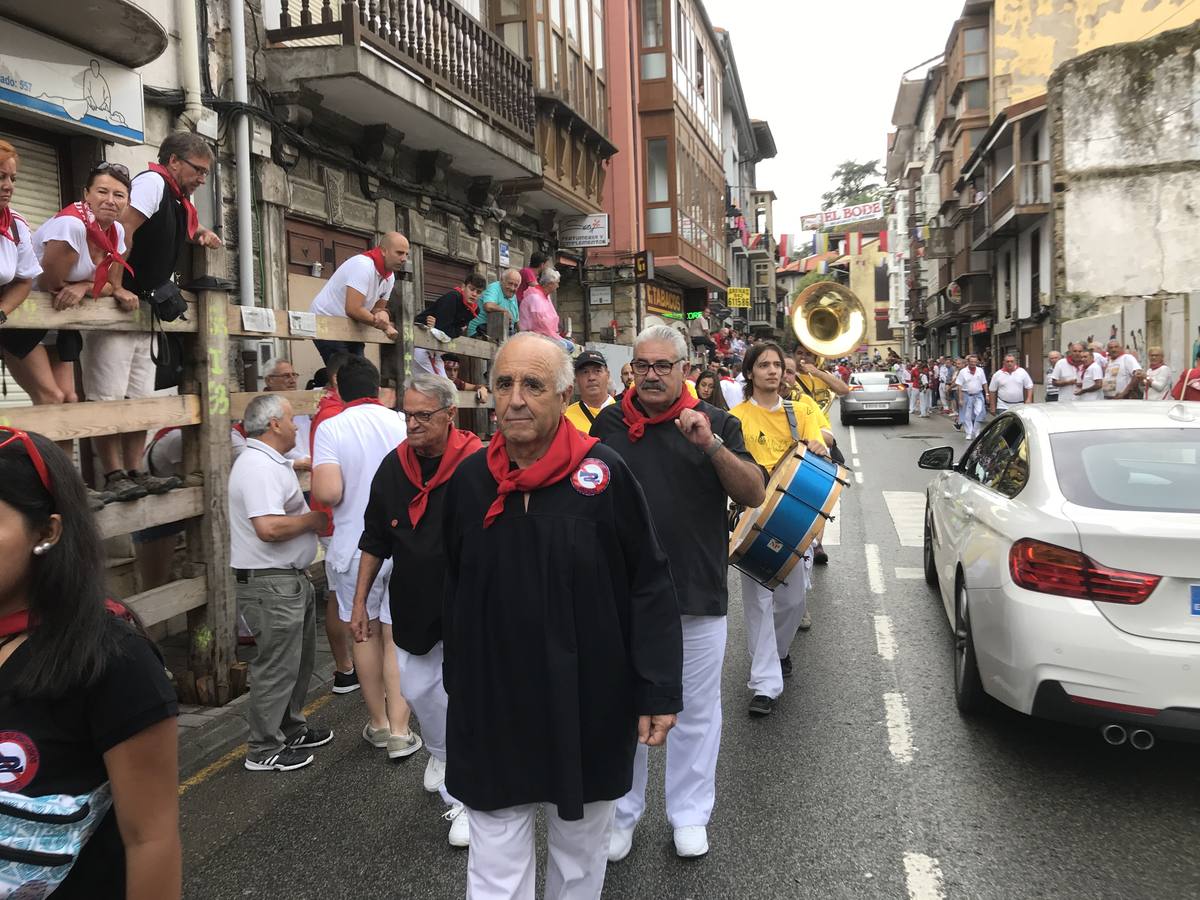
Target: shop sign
x,y
848,215
980,326
53,80
661,301
600,295
811,222
738,297
583,231
643,266
504,258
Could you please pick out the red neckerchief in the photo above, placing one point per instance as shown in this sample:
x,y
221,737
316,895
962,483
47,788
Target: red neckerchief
x,y
19,621
375,255
473,307
193,220
566,452
362,401
239,428
460,445
162,433
638,420
106,240
328,406
8,224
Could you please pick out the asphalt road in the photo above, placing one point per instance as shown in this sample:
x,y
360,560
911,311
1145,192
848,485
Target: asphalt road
x,y
864,783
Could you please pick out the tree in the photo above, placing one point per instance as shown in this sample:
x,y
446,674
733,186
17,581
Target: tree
x,y
854,183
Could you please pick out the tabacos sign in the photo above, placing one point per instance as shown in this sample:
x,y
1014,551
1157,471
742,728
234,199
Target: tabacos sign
x,y
847,215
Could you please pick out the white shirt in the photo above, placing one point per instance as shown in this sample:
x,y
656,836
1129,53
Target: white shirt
x,y
72,231
905,375
971,383
1064,369
1159,383
262,483
1118,373
1010,387
1093,373
356,440
732,392
164,456
18,260
146,196
358,272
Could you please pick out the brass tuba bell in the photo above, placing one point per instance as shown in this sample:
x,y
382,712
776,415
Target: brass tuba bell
x,y
828,319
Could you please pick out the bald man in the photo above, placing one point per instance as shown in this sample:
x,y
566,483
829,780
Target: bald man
x,y
359,289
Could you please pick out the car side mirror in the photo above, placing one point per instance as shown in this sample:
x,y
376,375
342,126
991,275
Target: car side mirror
x,y
937,458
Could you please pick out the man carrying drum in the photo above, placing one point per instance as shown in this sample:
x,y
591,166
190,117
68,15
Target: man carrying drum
x,y
690,459
771,426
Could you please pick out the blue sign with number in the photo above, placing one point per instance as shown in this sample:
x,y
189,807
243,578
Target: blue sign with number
x,y
1196,599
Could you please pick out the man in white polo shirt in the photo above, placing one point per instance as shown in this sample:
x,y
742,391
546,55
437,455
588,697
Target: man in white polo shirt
x,y
273,539
359,289
347,451
971,384
1011,386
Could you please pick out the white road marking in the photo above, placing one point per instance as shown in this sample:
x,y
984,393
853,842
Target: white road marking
x,y
832,536
910,574
856,464
874,568
899,726
907,509
853,442
923,876
885,638
858,478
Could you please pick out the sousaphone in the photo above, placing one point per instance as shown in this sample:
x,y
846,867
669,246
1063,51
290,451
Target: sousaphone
x,y
829,321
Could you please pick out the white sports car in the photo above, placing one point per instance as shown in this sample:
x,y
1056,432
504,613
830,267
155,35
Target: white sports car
x,y
1065,545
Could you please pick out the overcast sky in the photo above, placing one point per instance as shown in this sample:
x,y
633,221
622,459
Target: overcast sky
x,y
824,75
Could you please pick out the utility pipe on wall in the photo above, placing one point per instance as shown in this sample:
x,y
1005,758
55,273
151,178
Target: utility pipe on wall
x,y
245,193
189,66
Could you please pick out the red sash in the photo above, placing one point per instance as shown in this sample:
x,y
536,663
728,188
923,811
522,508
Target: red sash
x,y
193,220
566,452
638,420
460,445
105,239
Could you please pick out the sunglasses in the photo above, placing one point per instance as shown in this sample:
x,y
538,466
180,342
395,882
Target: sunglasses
x,y
13,436
119,168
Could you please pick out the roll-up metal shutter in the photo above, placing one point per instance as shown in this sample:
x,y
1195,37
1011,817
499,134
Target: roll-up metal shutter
x,y
37,197
439,274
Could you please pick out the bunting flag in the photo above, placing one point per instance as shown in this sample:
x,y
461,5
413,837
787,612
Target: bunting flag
x,y
782,246
823,267
883,242
853,243
820,243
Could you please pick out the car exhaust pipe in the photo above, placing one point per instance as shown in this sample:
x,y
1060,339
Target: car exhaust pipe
x,y
1141,739
1115,734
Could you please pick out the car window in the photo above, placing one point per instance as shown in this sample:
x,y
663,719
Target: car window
x,y
1000,458
868,379
1157,470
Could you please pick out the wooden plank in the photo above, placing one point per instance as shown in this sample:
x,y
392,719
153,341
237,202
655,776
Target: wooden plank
x,y
169,600
93,315
175,506
81,420
329,328
463,346
304,403
467,400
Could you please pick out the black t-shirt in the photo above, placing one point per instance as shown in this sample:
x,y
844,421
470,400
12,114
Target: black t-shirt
x,y
418,555
158,243
687,501
451,312
58,746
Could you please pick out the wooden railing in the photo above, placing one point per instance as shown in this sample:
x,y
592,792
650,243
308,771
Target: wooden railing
x,y
437,39
1000,200
204,408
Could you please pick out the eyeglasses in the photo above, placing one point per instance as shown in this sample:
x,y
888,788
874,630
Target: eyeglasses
x,y
200,170
422,417
31,450
107,166
660,367
290,376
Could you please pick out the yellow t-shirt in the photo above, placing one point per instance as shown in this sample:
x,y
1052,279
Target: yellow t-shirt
x,y
690,387
767,433
817,389
798,396
576,416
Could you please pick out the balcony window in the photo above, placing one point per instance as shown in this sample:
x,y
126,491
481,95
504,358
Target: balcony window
x,y
975,53
652,24
585,32
556,12
572,19
658,221
598,36
654,65
541,61
975,97
657,189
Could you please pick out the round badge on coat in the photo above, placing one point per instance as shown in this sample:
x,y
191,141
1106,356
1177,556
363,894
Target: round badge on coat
x,y
18,760
592,477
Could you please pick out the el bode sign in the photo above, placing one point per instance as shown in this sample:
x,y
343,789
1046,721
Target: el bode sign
x,y
847,215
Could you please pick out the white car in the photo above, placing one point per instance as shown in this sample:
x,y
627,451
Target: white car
x,y
1066,549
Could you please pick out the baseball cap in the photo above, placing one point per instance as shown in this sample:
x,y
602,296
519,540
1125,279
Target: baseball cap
x,y
590,357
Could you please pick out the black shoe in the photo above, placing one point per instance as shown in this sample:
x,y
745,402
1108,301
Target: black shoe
x,y
820,557
284,760
345,682
311,736
761,705
958,426
786,665
152,484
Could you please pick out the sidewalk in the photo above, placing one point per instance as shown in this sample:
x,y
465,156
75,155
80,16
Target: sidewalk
x,y
207,733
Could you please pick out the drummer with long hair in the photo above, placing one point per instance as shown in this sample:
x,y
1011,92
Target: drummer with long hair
x,y
771,426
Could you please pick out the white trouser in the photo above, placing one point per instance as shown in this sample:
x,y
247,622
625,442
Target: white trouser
x,y
428,361
944,395
926,400
693,744
912,399
972,412
421,685
772,619
502,864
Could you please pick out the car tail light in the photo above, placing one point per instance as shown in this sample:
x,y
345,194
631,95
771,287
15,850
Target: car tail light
x,y
897,387
856,387
1042,567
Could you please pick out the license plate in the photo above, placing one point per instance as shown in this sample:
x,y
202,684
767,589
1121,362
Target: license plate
x,y
879,406
1196,599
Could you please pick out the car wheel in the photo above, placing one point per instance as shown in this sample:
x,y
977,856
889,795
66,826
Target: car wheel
x,y
931,578
845,419
968,687
903,420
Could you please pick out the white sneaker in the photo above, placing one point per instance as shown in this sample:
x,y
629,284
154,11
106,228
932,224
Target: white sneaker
x,y
376,737
691,841
460,826
435,774
620,842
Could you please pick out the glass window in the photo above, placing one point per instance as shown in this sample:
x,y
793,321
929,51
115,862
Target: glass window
x,y
585,30
657,190
514,38
654,65
541,41
598,33
975,95
474,7
1000,458
975,66
975,40
513,8
652,23
556,12
1156,470
572,18
556,80
658,221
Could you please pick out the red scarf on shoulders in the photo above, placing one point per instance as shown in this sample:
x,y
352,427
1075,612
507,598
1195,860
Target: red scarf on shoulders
x,y
8,224
375,255
472,306
460,445
566,452
193,219
20,621
638,420
103,238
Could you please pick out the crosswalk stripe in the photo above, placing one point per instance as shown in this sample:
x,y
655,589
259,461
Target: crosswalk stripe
x,y
907,509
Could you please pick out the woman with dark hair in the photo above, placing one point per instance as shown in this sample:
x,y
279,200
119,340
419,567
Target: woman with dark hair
x,y
708,389
85,706
81,253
